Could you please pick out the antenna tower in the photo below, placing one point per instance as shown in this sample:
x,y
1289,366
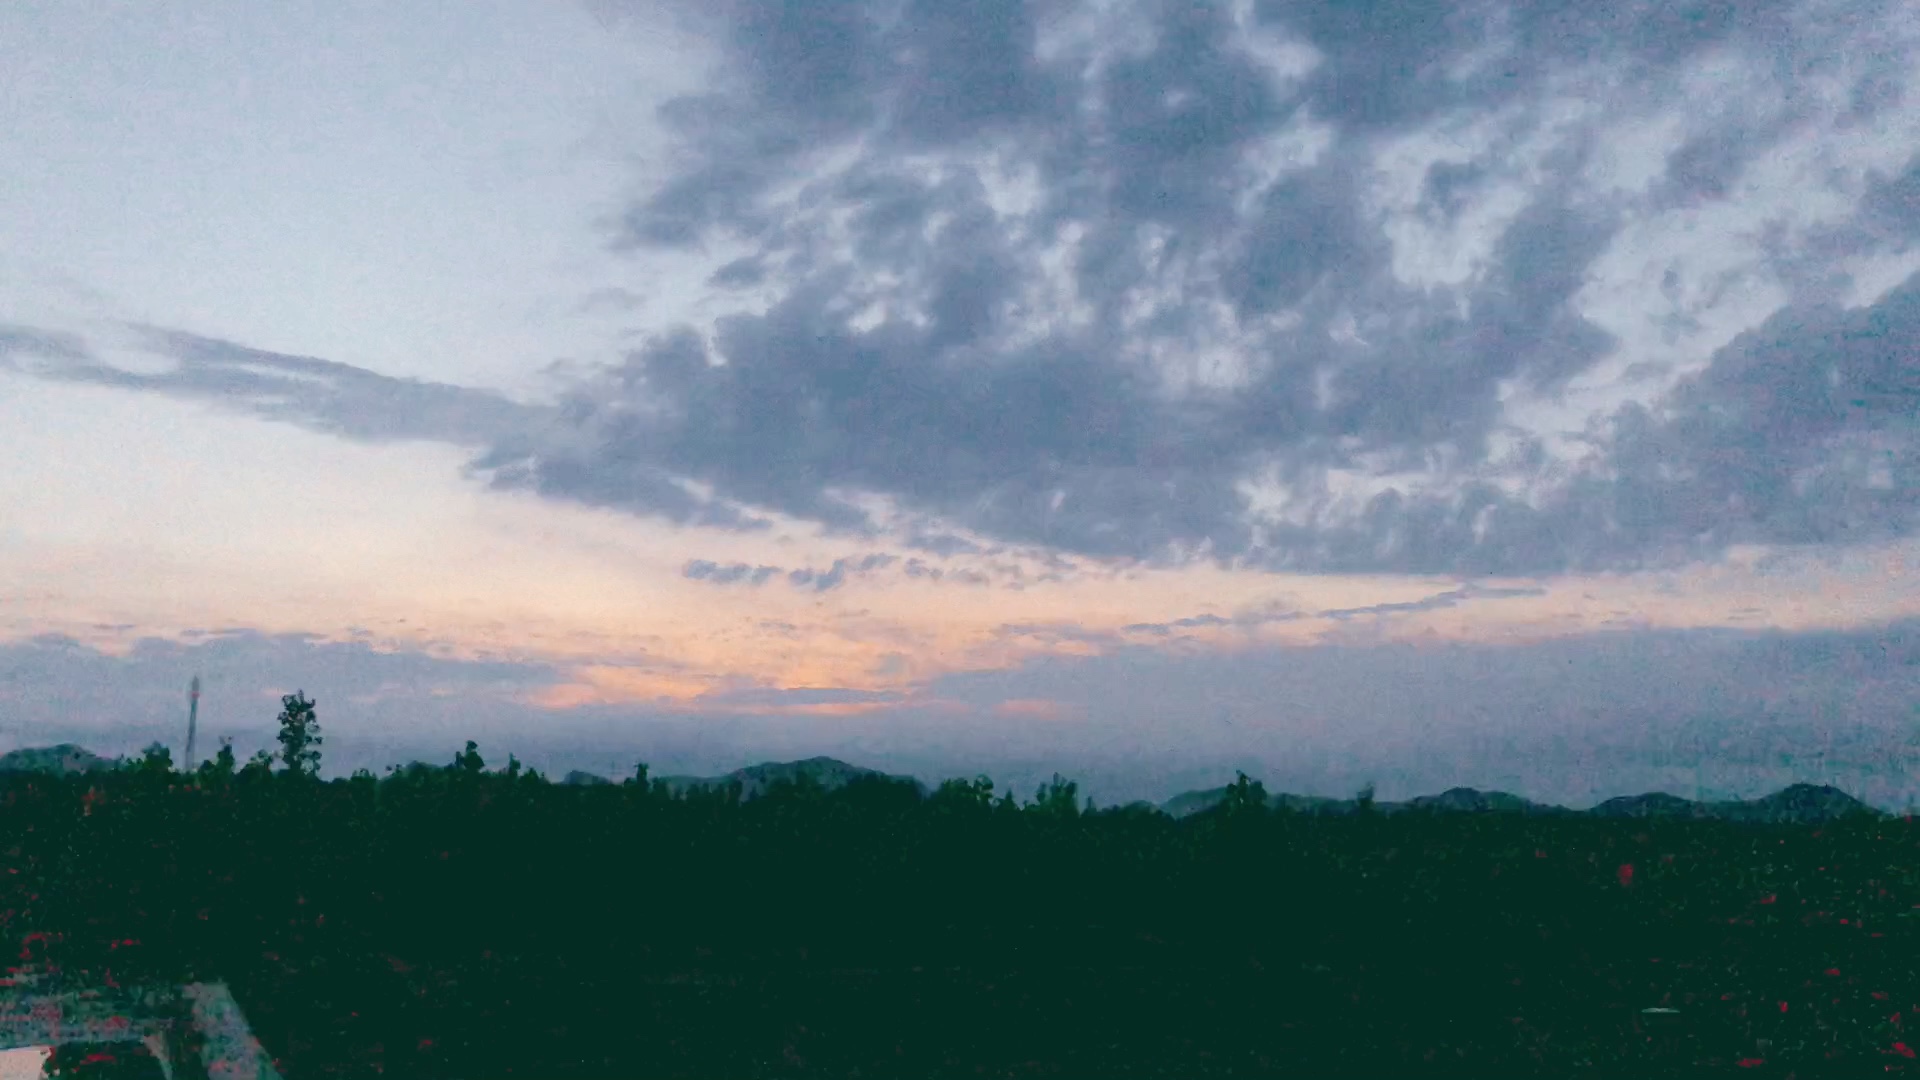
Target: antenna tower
x,y
193,717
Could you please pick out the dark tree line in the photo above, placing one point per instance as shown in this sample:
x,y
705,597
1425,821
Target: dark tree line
x,y
463,921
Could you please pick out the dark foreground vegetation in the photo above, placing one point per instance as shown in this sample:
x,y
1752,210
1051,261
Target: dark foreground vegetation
x,y
475,923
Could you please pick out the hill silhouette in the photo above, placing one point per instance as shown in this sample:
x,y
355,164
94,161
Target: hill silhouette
x,y
59,760
1797,803
830,773
1802,802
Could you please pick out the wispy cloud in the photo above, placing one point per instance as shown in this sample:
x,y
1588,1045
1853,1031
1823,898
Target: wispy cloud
x,y
1450,598
707,570
321,395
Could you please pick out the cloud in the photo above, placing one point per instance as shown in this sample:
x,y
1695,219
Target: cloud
x,y
1800,432
760,696
20,343
54,688
1166,628
804,577
320,395
1450,598
705,570
1574,719
1013,576
1057,633
1069,278
1277,613
1312,286
836,575
339,399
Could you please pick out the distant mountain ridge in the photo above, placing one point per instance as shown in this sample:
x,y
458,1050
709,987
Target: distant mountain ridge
x,y
59,760
1803,803
1806,803
831,773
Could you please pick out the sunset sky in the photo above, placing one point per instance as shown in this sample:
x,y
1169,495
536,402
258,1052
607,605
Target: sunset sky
x,y
1507,395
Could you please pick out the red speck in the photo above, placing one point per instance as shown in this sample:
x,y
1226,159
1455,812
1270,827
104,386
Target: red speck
x,y
1748,1063
1769,898
1880,995
1539,854
101,1057
1903,1049
1783,1006
1832,971
425,1044
1626,874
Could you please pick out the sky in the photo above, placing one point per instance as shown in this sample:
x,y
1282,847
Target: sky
x,y
1506,395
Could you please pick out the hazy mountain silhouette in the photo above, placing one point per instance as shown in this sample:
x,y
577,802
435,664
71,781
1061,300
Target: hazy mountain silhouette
x,y
1652,804
1799,802
1809,803
830,773
1471,799
59,760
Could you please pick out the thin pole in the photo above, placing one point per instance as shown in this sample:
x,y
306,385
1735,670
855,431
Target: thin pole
x,y
193,718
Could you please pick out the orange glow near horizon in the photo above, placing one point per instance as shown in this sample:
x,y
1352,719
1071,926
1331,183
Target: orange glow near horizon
x,y
404,559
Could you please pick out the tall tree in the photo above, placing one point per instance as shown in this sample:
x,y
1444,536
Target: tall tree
x,y
1245,795
469,761
1057,797
155,760
299,735
220,767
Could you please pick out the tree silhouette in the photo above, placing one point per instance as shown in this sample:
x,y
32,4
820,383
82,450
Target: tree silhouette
x,y
299,735
1057,798
220,768
1245,796
957,792
357,919
468,761
156,760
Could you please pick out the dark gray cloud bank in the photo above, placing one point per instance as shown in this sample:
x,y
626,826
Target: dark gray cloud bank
x,y
999,365
966,406
1573,720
